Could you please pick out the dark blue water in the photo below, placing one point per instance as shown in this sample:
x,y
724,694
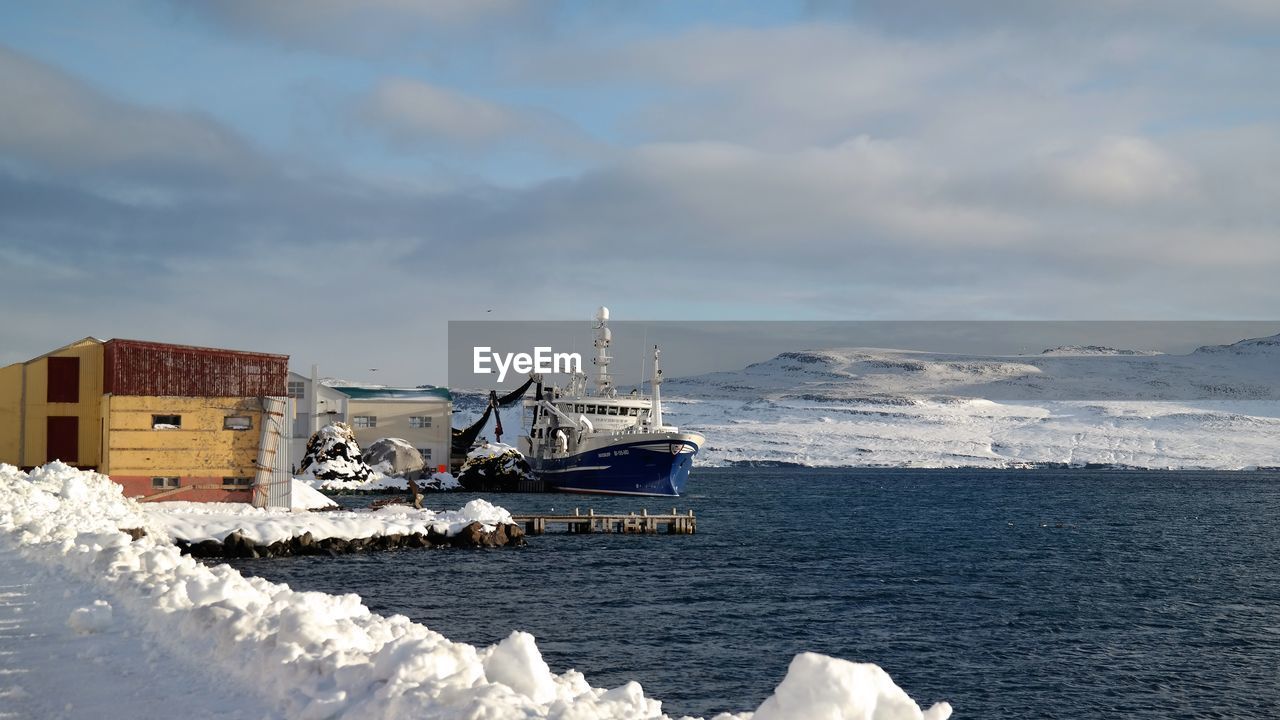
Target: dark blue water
x,y
1046,593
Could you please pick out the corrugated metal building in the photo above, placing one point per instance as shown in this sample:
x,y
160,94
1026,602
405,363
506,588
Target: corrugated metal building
x,y
172,421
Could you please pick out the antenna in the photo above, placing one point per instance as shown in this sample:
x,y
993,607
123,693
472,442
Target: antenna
x,y
644,360
604,382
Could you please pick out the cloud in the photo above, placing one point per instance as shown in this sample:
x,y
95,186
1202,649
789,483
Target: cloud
x,y
819,169
412,112
408,110
364,26
1123,170
52,122
1087,15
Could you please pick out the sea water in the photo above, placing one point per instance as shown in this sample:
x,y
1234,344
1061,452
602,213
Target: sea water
x,y
1036,593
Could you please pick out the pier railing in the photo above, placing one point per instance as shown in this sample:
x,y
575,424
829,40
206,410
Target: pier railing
x,y
642,523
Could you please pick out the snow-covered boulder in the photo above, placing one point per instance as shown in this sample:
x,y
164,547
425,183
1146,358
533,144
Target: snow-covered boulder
x,y
332,454
395,455
494,466
441,481
817,686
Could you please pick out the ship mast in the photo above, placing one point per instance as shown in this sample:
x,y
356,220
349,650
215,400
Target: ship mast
x,y
604,382
655,409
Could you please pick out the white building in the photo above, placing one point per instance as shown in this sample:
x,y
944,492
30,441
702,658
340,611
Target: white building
x,y
420,416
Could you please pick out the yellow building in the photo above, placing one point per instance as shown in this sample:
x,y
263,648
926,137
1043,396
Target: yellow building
x,y
168,420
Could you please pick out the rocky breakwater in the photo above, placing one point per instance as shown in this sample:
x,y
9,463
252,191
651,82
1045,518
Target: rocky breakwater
x,y
237,545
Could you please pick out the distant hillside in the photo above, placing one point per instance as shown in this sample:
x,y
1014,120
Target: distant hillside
x,y
1217,407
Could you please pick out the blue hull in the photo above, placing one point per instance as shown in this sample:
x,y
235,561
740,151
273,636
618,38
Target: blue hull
x,y
623,469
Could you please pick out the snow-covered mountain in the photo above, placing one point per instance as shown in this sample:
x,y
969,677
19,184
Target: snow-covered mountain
x,y
1217,407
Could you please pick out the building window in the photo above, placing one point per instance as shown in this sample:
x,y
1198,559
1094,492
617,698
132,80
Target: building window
x,y
364,421
237,482
166,422
160,483
63,384
426,454
297,389
237,422
419,421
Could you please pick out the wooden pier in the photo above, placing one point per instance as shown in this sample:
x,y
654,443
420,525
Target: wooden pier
x,y
642,523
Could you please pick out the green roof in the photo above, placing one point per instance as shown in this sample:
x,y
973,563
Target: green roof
x,y
387,393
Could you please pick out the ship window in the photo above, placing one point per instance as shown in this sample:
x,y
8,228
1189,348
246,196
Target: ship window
x,y
632,412
580,408
613,410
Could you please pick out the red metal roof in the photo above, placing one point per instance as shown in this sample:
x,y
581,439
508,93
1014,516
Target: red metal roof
x,y
134,367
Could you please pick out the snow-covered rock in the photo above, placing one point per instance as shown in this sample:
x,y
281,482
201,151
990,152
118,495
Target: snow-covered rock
x,y
395,456
494,466
332,454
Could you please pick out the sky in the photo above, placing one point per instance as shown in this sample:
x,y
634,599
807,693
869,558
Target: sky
x,y
337,179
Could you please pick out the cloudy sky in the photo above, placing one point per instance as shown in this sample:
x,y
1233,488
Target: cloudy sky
x,y
335,179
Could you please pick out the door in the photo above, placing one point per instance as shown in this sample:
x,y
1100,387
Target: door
x,y
62,442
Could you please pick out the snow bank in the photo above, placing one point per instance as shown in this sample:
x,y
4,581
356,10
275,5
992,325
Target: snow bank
x,y
304,497
195,522
311,655
91,619
817,686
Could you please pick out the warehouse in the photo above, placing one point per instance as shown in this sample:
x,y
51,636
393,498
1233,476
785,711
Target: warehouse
x,y
171,421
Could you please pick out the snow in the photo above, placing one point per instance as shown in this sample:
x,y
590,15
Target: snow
x,y
91,619
195,522
304,497
380,481
1215,408
49,669
332,454
491,450
184,639
822,687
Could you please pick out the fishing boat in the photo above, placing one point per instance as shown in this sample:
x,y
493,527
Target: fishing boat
x,y
600,441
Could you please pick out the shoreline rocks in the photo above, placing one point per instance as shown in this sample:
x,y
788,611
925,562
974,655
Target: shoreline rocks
x,y
237,546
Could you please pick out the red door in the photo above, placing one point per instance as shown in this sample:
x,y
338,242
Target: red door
x,y
62,442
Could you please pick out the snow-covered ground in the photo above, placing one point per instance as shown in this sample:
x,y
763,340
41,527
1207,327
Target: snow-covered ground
x,y
1218,407
380,480
195,522
94,625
